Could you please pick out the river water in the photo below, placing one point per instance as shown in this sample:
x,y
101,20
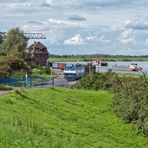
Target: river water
x,y
143,64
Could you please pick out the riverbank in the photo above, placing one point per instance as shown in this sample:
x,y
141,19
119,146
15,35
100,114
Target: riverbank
x,y
96,57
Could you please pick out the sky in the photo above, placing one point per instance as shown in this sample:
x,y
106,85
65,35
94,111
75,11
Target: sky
x,y
117,27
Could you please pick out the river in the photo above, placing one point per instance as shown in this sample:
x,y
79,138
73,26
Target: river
x,y
143,64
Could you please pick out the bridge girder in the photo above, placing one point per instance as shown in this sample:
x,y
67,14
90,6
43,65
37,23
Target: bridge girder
x,y
30,35
34,36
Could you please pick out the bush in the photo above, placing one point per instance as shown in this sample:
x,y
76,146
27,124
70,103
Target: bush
x,y
11,65
41,70
5,87
131,97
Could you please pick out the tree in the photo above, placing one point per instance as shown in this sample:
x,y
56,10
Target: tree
x,y
1,39
14,40
13,56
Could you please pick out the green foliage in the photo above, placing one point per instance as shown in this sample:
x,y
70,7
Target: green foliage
x,y
1,39
96,81
59,117
41,70
11,65
14,40
131,103
5,87
14,60
131,99
103,57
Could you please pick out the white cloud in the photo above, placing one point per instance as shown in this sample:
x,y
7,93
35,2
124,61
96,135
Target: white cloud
x,y
46,3
76,40
90,38
146,41
63,22
127,36
95,39
136,24
35,28
45,25
15,5
103,39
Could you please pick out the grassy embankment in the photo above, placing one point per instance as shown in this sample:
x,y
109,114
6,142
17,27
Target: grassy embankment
x,y
60,117
76,59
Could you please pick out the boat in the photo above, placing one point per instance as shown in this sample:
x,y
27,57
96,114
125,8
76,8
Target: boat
x,y
99,63
132,67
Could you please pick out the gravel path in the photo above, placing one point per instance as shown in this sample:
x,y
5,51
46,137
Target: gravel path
x,y
4,92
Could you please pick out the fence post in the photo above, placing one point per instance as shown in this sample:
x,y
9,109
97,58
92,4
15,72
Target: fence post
x,y
52,81
42,82
31,82
24,79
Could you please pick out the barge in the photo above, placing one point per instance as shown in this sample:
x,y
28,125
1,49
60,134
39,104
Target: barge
x,y
132,67
99,63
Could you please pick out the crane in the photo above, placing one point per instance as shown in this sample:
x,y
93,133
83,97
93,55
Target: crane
x,y
29,35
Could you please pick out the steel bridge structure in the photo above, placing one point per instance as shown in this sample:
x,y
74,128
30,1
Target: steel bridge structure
x,y
34,36
29,36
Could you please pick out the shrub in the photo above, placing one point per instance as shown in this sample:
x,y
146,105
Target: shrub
x,y
5,87
131,97
41,70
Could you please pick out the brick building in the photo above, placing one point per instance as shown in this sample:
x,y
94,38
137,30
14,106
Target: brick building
x,y
39,53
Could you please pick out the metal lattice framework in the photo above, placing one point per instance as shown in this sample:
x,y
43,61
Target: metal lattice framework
x,y
30,35
34,36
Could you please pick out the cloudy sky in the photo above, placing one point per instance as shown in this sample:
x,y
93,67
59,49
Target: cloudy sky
x,y
82,26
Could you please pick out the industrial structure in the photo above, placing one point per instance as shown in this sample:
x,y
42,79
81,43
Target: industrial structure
x,y
29,36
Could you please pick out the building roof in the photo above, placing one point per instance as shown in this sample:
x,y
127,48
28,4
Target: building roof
x,y
38,47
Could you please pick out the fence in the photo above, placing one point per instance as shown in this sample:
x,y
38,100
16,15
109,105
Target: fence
x,y
27,82
10,81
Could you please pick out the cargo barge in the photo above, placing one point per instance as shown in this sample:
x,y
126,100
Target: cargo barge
x,y
132,67
99,63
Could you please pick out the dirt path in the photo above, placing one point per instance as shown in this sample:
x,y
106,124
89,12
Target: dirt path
x,y
4,92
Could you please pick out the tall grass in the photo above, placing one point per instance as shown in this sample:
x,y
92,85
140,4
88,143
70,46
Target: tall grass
x,y
63,118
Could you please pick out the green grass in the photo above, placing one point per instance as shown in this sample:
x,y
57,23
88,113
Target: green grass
x,y
77,59
63,118
62,59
